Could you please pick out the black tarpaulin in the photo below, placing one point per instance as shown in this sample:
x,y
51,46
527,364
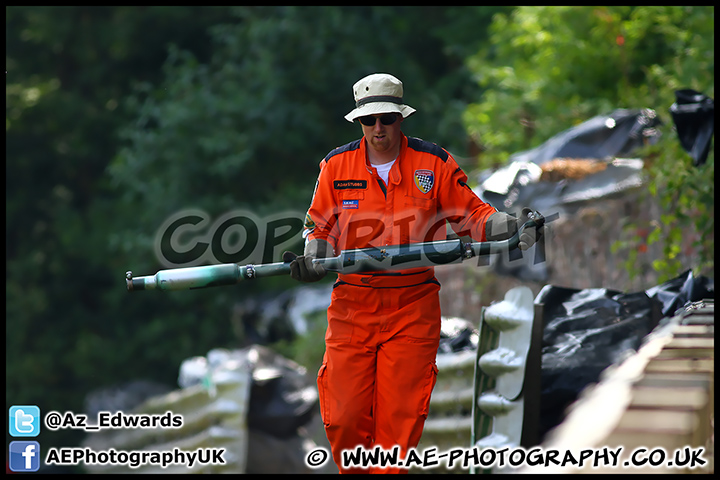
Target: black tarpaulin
x,y
694,117
617,134
681,290
586,331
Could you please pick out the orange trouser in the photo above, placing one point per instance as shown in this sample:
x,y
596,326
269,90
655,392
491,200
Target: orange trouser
x,y
379,367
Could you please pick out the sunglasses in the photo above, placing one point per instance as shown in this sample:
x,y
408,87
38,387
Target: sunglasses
x,y
385,119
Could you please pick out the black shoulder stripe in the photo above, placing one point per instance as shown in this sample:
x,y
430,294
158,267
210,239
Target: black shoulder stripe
x,y
420,145
348,147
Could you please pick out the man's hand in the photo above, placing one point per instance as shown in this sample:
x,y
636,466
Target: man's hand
x,y
529,236
302,267
501,226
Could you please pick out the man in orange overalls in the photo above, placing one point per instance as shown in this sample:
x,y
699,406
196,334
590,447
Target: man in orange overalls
x,y
383,332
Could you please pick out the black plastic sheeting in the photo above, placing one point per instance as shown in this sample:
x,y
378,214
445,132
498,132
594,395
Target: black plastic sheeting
x,y
674,294
586,331
693,114
457,335
283,397
604,137
617,134
566,195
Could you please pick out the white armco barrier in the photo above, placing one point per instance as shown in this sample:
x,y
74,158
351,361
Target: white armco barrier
x,y
502,357
477,399
214,428
654,410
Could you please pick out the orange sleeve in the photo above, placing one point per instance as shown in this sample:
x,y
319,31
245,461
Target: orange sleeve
x,y
464,210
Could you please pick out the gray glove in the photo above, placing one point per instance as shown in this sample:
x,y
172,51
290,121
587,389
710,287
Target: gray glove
x,y
302,267
501,226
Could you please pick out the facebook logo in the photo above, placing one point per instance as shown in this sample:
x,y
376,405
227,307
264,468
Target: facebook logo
x,y
24,421
24,456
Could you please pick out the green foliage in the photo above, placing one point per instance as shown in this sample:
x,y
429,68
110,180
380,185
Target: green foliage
x,y
546,69
71,327
686,194
118,117
273,94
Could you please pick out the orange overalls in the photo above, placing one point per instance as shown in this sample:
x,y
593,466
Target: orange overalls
x,y
384,328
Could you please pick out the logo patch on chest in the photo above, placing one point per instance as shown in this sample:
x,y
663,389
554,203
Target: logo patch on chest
x,y
424,180
350,203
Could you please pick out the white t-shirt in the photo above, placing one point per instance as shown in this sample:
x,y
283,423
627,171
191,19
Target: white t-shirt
x,y
384,169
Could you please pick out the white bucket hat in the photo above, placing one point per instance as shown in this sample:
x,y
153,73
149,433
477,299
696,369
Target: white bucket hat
x,y
378,93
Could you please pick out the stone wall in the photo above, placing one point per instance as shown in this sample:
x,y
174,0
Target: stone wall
x,y
578,255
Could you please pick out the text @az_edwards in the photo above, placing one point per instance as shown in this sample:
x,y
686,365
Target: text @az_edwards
x,y
111,420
